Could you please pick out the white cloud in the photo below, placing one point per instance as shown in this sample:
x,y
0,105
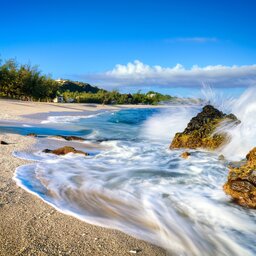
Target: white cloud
x,y
139,74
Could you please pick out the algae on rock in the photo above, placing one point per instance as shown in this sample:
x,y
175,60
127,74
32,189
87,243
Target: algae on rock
x,y
65,150
201,130
241,184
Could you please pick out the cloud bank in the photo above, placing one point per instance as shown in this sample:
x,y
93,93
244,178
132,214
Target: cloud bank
x,y
139,74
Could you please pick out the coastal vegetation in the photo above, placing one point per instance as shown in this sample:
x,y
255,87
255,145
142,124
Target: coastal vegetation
x,y
26,82
115,97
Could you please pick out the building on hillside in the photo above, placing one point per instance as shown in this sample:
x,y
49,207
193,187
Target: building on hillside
x,y
60,81
58,99
151,95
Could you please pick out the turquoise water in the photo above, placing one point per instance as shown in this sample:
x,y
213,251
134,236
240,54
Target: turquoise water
x,y
134,183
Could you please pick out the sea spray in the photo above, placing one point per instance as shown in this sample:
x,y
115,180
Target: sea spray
x,y
137,185
218,99
164,125
243,136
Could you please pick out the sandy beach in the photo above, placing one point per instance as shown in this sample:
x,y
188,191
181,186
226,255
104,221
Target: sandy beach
x,y
31,111
28,226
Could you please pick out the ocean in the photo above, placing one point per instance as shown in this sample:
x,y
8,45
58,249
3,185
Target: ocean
x,y
133,182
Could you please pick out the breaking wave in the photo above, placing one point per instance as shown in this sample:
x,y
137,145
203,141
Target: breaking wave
x,y
132,182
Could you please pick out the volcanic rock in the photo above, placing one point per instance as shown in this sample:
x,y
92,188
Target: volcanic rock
x,y
241,184
68,138
65,150
3,142
185,155
200,131
221,158
32,135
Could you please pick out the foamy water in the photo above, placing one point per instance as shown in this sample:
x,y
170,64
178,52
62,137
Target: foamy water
x,y
134,183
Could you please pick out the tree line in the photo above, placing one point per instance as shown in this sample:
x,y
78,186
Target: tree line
x,y
26,82
115,97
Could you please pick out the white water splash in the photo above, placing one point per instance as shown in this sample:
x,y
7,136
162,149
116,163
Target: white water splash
x,y
67,119
243,136
217,99
163,126
140,187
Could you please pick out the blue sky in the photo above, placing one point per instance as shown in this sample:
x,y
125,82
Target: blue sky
x,y
85,40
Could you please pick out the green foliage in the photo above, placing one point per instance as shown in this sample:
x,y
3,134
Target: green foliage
x,y
25,82
72,86
114,97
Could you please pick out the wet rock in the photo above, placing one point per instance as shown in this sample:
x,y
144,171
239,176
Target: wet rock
x,y
200,131
241,184
65,150
135,251
251,156
3,142
32,135
68,138
221,158
185,155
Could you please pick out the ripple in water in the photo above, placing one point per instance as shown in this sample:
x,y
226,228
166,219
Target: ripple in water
x,y
139,186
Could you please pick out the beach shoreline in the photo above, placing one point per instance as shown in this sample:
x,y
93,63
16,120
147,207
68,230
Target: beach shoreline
x,y
28,111
29,226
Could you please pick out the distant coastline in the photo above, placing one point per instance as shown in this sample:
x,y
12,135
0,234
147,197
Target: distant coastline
x,y
27,83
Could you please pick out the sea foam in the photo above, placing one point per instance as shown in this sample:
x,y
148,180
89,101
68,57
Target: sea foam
x,y
139,186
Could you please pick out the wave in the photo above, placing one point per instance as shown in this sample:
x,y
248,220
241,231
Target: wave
x,y
164,125
243,136
147,191
67,119
134,183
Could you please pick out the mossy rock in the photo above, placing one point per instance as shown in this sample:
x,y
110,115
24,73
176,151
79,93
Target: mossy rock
x,y
200,131
185,155
241,184
65,150
68,138
32,135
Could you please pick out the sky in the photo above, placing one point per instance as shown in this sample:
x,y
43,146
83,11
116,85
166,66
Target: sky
x,y
166,45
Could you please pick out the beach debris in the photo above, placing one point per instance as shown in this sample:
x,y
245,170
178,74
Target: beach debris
x,y
185,155
241,184
65,150
134,251
32,135
201,130
68,138
3,142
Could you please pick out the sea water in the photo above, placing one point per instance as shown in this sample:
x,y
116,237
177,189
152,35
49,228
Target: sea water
x,y
133,182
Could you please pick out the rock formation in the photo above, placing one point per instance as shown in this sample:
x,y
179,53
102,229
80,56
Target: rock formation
x,y
32,135
200,131
65,150
185,155
241,184
68,138
4,142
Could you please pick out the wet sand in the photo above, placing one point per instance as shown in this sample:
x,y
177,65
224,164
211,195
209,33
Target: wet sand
x,y
28,226
17,110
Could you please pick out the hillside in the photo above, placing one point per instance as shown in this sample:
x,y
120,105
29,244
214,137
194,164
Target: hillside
x,y
75,86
